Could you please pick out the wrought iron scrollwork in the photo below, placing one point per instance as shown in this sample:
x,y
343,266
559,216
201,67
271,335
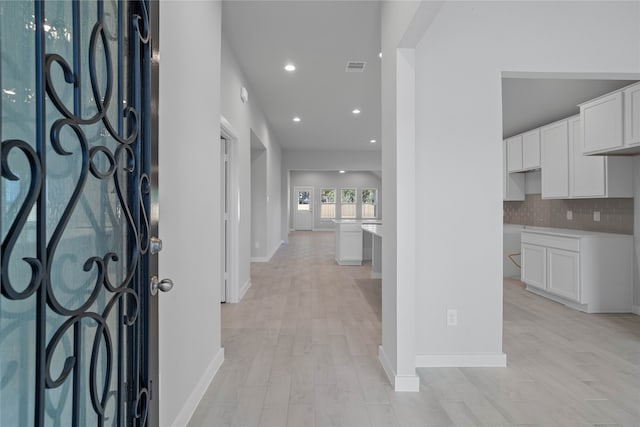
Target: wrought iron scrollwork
x,y
91,352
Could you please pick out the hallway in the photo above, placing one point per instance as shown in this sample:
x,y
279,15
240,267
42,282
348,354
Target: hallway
x,y
301,350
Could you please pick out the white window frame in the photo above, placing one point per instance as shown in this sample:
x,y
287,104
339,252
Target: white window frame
x,y
343,204
375,203
335,204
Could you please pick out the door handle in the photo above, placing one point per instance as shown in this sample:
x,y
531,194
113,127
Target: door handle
x,y
164,285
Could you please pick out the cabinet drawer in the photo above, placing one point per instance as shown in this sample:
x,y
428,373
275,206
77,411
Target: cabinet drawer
x,y
350,227
559,242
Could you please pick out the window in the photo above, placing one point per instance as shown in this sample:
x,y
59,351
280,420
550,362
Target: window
x,y
348,202
369,203
327,203
303,200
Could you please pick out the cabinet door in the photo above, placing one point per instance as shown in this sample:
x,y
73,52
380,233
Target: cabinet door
x,y
602,123
351,246
514,154
632,115
512,183
587,172
534,268
531,150
564,274
555,160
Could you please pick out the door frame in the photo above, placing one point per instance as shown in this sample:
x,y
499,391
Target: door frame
x,y
233,288
154,215
294,199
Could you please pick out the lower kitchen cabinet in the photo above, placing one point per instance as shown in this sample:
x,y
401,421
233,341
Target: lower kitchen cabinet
x,y
588,271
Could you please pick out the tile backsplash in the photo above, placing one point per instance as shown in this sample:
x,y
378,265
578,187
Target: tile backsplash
x,y
616,215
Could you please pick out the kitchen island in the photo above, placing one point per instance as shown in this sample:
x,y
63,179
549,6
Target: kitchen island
x,y
349,240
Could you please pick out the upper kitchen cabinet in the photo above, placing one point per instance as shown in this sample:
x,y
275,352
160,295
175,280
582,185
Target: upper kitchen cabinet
x,y
523,152
611,123
512,183
632,115
596,176
531,150
514,154
554,142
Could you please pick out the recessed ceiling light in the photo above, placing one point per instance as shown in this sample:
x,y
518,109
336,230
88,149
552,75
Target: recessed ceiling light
x,y
356,111
296,119
290,67
373,141
341,171
380,55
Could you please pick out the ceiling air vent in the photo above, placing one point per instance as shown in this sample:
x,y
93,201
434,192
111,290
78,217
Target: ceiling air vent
x,y
355,66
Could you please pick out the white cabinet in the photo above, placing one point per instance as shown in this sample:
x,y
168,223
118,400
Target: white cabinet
x,y
632,115
611,123
588,271
514,154
512,183
531,150
348,242
523,152
554,140
534,260
602,123
596,176
587,172
563,274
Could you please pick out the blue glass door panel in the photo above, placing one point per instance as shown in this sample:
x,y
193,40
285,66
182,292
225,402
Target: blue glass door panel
x,y
74,199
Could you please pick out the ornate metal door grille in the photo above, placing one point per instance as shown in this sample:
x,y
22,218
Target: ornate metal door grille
x,y
75,164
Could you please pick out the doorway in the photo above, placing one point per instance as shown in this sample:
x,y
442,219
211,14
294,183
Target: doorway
x,y
303,208
224,203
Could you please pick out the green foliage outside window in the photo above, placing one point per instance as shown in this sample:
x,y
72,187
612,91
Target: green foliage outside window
x,y
348,195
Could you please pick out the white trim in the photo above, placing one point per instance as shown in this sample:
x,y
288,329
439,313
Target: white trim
x,y
635,309
233,287
409,383
268,258
478,360
244,290
376,275
192,402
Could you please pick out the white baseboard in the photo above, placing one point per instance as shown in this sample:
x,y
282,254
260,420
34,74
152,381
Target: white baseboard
x,y
481,360
635,309
410,383
199,390
375,275
268,258
244,290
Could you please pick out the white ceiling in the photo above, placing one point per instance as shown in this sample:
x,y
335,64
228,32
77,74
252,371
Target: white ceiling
x,y
319,37
530,103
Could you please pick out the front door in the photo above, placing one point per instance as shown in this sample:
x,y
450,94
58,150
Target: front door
x,y
75,131
303,205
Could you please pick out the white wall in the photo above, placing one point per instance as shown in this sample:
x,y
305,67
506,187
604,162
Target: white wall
x,y
319,180
459,63
396,18
245,118
189,194
636,231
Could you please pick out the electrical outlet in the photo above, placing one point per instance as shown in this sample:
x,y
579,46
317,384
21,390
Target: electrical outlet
x,y
570,215
452,317
596,216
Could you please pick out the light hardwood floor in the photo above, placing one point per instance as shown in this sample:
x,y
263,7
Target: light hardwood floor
x,y
301,350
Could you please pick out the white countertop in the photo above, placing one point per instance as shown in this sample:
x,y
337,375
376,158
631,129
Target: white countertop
x,y
356,221
570,233
375,229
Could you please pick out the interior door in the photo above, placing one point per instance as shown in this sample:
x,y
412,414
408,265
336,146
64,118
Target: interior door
x,y
76,191
224,179
303,205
